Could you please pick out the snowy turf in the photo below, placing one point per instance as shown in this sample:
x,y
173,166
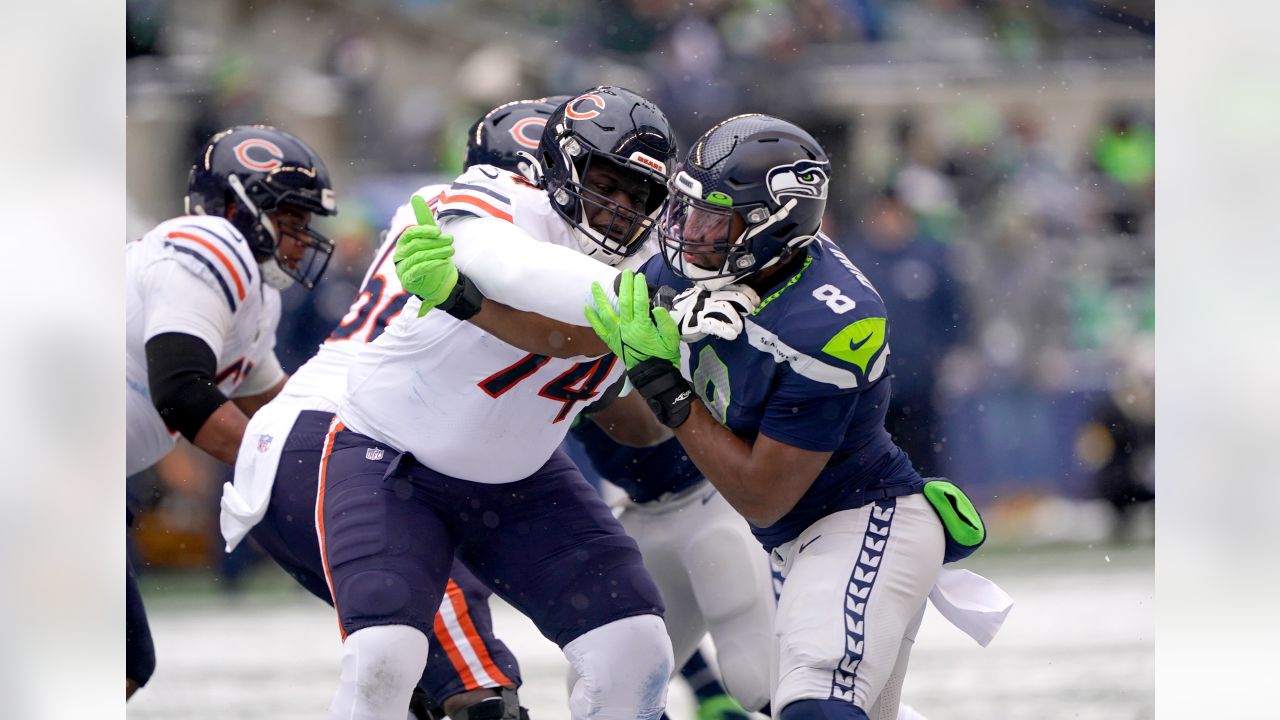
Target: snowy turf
x,y
1079,644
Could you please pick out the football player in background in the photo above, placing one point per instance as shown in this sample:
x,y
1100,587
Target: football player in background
x,y
469,673
446,440
790,427
711,572
202,305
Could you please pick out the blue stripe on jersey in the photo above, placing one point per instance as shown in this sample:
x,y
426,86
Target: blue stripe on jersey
x,y
476,188
226,289
459,213
230,245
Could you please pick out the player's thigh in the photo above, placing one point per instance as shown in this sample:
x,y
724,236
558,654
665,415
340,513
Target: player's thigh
x,y
287,532
853,582
465,654
549,546
657,535
386,552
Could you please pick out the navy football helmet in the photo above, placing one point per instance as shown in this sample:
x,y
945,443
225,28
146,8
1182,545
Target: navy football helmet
x,y
618,129
508,135
748,196
258,170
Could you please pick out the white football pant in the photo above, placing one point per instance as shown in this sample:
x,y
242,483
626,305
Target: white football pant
x,y
714,577
854,590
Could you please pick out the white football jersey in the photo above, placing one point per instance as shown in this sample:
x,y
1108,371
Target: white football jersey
x,y
194,275
461,401
320,383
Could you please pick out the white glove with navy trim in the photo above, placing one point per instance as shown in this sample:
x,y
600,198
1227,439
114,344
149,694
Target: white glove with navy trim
x,y
699,312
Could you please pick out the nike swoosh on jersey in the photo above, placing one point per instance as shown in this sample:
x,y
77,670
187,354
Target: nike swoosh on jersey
x,y
805,545
858,342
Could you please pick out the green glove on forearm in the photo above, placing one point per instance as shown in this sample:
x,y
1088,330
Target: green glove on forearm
x,y
633,332
423,258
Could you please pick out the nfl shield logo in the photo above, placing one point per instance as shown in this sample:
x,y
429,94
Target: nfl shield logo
x,y
373,454
264,442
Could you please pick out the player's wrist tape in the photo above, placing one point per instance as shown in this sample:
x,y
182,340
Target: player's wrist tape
x,y
463,301
666,392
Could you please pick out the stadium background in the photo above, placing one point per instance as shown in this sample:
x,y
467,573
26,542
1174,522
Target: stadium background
x,y
994,166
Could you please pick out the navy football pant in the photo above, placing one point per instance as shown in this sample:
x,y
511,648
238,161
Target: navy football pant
x,y
140,651
547,545
464,654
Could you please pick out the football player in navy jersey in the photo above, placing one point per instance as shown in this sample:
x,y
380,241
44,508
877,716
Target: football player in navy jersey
x,y
790,427
792,389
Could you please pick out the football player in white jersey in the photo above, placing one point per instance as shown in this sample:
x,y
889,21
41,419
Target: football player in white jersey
x,y
470,673
447,439
202,306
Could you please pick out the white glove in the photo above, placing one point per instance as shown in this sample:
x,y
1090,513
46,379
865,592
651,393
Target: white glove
x,y
699,312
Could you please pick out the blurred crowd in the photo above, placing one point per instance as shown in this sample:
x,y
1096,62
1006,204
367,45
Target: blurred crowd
x,y
1016,256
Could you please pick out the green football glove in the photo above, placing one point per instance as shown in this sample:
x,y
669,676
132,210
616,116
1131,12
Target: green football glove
x,y
633,332
422,258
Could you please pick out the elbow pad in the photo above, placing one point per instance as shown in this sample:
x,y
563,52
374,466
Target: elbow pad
x,y
180,370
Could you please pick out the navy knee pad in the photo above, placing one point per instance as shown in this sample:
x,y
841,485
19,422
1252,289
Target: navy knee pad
x,y
822,710
373,593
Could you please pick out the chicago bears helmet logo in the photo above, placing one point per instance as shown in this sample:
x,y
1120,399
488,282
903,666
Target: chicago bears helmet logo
x,y
528,131
803,178
587,114
270,153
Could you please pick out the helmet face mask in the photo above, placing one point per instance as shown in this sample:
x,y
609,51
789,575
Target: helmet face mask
x,y
750,194
258,177
598,143
609,228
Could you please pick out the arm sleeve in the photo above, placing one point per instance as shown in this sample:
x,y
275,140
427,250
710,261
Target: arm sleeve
x,y
178,301
180,371
512,268
264,376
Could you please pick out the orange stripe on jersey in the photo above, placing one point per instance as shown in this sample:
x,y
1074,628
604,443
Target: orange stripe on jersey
x,y
468,200
446,641
335,427
216,252
473,638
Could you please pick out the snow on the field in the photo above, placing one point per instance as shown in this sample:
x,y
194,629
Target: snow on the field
x,y
1078,644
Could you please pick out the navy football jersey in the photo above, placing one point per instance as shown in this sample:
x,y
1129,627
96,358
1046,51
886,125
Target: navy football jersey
x,y
809,371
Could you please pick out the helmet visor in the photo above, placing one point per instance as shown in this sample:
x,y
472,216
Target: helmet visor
x,y
699,239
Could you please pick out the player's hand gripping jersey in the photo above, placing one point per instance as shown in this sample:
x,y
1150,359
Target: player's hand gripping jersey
x,y
461,401
812,375
194,275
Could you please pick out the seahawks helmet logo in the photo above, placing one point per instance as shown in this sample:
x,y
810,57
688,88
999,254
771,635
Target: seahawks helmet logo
x,y
803,178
